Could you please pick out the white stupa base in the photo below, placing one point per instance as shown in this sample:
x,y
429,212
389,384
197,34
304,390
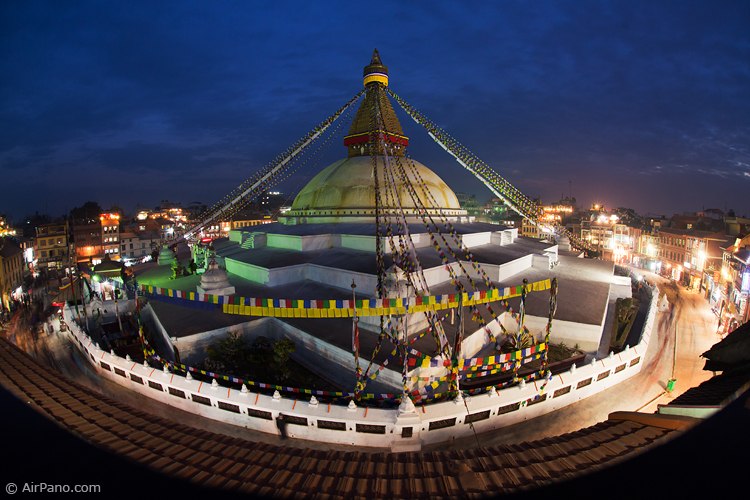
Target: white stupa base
x,y
228,290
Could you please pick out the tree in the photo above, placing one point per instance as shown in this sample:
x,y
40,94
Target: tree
x,y
31,222
229,355
116,209
282,351
625,313
175,269
630,217
260,352
89,212
193,268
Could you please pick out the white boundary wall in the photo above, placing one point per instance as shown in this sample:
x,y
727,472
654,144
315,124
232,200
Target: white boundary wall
x,y
371,427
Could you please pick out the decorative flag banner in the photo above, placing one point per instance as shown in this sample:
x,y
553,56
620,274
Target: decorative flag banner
x,y
426,393
467,364
336,308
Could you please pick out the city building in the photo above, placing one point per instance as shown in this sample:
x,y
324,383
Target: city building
x,y
87,237
736,226
110,235
135,246
11,272
271,201
248,217
735,281
531,230
687,254
646,252
151,222
615,240
5,228
553,214
52,246
495,210
95,238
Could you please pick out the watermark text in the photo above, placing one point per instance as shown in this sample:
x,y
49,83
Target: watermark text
x,y
21,488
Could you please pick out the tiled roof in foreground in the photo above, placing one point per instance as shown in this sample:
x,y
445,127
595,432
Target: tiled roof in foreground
x,y
716,391
225,462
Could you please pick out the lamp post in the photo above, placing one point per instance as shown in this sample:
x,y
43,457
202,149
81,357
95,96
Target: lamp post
x,y
701,268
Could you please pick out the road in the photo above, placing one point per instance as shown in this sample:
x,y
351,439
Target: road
x,y
689,320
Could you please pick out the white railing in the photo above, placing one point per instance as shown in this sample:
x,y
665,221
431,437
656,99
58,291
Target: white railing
x,y
364,426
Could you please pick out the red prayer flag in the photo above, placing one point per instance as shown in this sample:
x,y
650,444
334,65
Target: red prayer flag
x,y
355,335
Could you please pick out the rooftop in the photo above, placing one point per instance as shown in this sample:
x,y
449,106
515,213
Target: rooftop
x,y
606,455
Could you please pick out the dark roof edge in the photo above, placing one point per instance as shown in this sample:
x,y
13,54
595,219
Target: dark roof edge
x,y
671,422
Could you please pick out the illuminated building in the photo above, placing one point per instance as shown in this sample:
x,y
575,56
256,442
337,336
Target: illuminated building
x,y
5,228
686,254
95,238
165,219
646,252
615,240
495,210
11,271
87,236
110,235
735,279
551,214
248,218
52,245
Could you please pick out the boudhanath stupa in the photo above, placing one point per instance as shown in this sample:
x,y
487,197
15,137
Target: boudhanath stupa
x,y
326,247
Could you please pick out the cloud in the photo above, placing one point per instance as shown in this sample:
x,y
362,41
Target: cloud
x,y
600,94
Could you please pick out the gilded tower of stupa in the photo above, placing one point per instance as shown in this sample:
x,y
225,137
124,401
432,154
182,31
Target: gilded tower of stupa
x,y
345,191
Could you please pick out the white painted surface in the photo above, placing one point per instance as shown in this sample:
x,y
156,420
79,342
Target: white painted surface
x,y
617,368
587,337
476,239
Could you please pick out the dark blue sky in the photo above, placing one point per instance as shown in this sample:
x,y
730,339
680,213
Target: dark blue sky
x,y
640,104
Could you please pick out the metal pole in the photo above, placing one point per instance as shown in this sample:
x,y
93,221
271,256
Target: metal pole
x,y
405,348
117,309
674,350
459,337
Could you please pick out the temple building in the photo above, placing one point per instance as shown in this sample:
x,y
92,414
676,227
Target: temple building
x,y
328,242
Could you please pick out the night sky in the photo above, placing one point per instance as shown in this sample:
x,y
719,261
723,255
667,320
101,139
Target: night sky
x,y
637,104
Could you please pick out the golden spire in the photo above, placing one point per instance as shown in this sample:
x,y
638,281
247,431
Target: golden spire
x,y
375,72
366,135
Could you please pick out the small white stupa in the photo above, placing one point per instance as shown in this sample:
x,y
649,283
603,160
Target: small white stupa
x,y
215,281
166,256
664,303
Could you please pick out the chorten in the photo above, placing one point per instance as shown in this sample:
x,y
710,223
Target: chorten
x,y
166,256
345,191
215,281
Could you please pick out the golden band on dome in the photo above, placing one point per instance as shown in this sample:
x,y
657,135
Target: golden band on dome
x,y
376,77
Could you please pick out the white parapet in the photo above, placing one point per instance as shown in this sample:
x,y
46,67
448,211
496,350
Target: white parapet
x,y
403,428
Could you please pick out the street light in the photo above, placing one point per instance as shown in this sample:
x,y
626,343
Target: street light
x,y
700,265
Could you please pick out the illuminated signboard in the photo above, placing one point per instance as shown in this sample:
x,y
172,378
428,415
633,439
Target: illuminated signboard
x,y
746,281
